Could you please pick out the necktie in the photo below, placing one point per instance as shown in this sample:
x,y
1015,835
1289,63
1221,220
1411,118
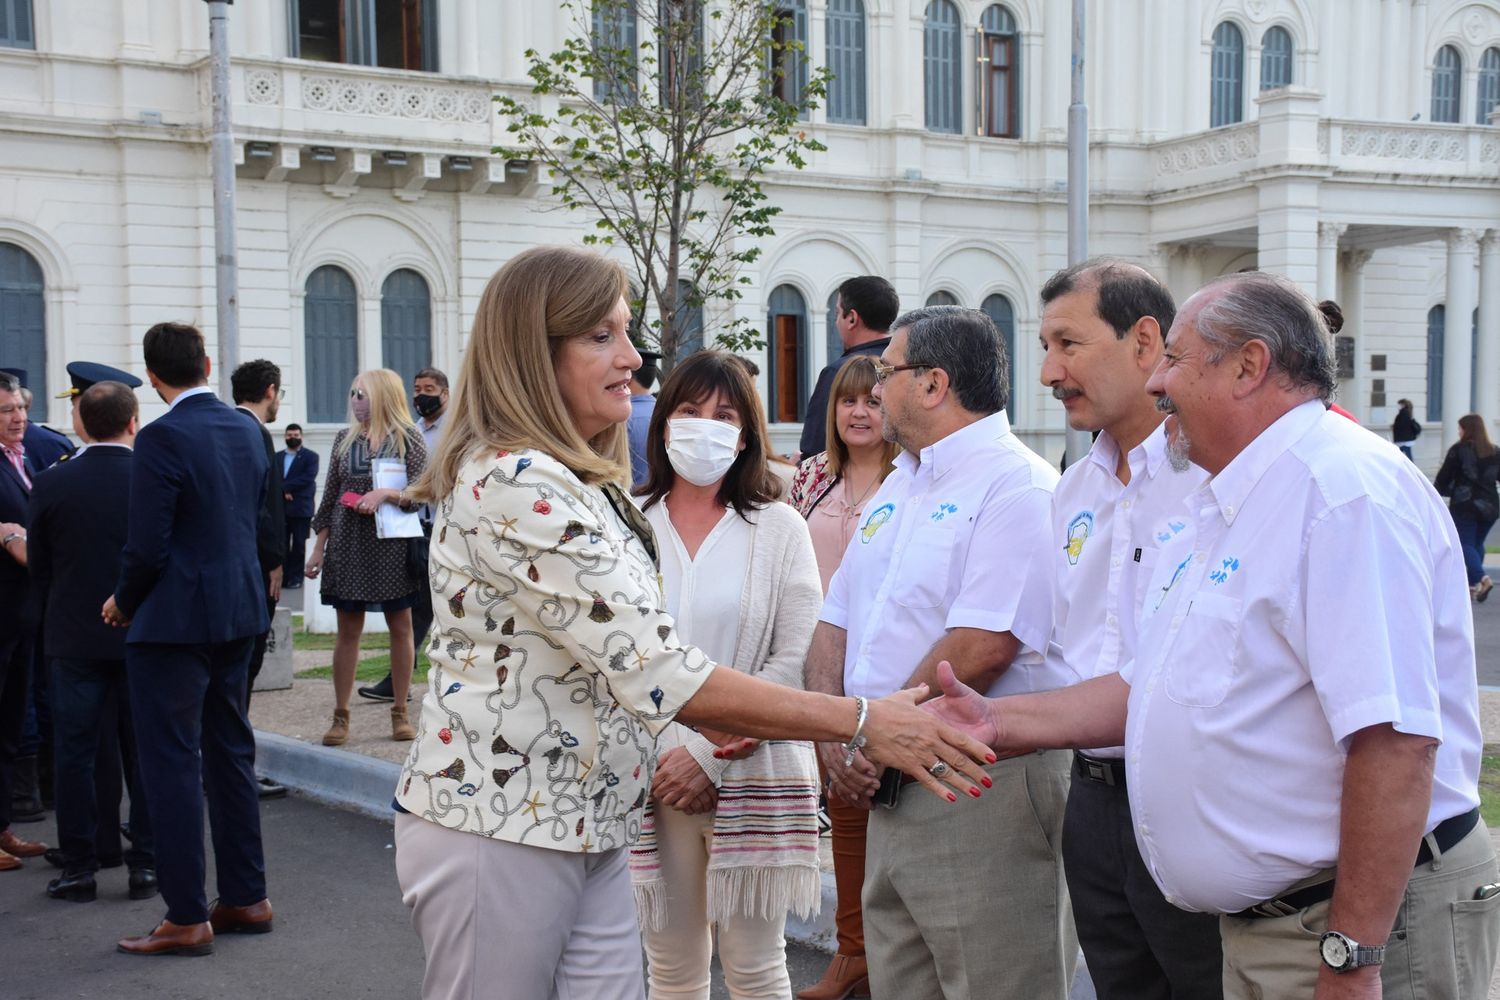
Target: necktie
x,y
14,454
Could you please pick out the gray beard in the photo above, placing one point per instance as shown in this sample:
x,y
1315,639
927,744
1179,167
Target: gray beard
x,y
1177,451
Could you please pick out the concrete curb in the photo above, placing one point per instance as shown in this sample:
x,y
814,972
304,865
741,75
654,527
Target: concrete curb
x,y
365,785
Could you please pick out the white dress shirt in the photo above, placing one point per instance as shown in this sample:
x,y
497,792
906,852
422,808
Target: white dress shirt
x,y
957,540
1105,539
1318,589
197,390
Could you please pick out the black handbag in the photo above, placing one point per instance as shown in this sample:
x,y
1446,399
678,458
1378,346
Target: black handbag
x,y
416,557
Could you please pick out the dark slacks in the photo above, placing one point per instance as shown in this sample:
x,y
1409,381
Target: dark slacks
x,y
421,609
15,680
187,700
1137,945
258,651
90,726
297,529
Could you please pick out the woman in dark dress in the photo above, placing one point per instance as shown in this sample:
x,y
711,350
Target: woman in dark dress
x,y
362,572
1468,479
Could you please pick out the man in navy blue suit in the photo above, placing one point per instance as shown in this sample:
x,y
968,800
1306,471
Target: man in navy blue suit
x,y
75,538
299,473
190,590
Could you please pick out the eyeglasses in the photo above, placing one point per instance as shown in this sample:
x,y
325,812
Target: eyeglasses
x,y
281,394
884,371
357,394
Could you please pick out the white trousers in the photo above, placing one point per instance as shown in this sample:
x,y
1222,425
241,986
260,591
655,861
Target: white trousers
x,y
503,921
751,950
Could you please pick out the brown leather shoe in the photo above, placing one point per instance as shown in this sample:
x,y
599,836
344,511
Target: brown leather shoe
x,y
847,976
172,939
338,733
252,919
401,727
11,844
9,862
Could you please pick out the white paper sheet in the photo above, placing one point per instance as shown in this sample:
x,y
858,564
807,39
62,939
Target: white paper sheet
x,y
390,520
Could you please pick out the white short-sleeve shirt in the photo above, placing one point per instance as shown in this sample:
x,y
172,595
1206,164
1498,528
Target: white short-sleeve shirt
x,y
958,539
1318,589
1106,536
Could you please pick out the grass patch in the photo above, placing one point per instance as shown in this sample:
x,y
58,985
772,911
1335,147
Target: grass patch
x,y
1489,786
325,640
370,669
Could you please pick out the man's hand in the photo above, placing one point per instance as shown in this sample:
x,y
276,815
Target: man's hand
x,y
111,613
963,708
681,783
274,590
856,784
1356,984
287,497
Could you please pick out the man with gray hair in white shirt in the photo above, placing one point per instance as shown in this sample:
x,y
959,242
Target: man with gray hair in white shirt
x,y
952,561
1301,720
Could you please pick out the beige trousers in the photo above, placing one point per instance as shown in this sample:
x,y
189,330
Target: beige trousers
x,y
1442,947
752,950
503,921
967,899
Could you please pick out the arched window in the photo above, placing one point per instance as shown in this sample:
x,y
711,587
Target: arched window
x,y
1227,77
789,52
1488,94
942,298
846,59
786,337
999,73
405,323
23,327
1447,72
690,320
835,342
942,44
1276,59
16,28
998,308
615,42
1435,321
330,329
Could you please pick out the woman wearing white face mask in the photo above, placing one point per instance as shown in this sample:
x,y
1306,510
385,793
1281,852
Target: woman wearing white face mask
x,y
732,845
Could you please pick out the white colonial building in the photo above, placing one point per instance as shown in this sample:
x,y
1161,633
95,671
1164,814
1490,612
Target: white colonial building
x,y
1345,143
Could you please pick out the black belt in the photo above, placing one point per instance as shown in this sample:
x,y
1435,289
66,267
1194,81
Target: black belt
x,y
1447,834
1105,770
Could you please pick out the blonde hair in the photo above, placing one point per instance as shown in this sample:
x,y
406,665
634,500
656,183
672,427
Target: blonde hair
x,y
856,378
506,395
389,420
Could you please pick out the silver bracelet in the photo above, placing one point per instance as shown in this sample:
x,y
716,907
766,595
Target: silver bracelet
x,y
857,741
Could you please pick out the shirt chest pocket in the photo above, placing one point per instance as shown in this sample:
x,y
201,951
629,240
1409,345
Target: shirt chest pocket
x,y
924,567
1204,657
1145,568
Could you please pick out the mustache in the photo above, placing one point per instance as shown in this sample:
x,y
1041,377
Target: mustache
x,y
1062,392
1165,404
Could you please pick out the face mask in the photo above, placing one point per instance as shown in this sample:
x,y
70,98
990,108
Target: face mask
x,y
292,444
701,451
361,409
427,405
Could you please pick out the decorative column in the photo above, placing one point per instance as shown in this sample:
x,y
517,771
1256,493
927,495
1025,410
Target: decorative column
x,y
1391,36
1488,359
1352,389
469,36
1328,259
1458,326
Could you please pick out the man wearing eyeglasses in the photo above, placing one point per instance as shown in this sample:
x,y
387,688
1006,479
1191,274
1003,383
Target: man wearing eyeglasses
x,y
951,561
257,394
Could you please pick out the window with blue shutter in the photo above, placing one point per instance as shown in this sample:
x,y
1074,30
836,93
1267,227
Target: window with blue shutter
x,y
17,29
1447,72
998,308
23,327
405,324
846,60
1227,77
941,298
942,45
615,42
1000,73
1435,322
330,324
835,342
1489,86
1276,59
788,56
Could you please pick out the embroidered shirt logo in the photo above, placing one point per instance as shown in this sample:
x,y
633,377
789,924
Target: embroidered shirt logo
x,y
1225,571
877,519
943,510
1176,575
1171,530
1079,530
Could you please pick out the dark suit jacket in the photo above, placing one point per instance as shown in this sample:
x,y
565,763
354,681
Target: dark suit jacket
x,y
270,532
301,481
190,573
44,446
79,518
16,609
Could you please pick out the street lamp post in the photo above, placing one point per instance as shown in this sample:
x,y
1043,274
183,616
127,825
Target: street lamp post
x,y
221,155
1078,442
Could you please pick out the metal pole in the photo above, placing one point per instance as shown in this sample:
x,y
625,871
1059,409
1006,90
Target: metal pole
x,y
1078,442
221,154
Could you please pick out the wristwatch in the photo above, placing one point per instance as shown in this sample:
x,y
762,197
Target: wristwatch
x,y
1342,953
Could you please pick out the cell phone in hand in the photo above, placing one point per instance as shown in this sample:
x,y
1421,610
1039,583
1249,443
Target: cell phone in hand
x,y
351,499
889,793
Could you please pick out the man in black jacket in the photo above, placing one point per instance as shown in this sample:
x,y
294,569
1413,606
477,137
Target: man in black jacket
x,y
299,474
257,394
79,520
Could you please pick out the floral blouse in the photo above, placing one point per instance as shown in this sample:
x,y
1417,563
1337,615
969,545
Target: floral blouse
x,y
554,666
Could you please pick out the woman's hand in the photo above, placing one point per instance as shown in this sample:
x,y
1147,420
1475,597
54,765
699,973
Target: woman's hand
x,y
900,734
372,500
681,783
314,564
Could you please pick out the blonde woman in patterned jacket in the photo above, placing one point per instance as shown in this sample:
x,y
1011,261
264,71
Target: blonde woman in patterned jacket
x,y
554,666
726,846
